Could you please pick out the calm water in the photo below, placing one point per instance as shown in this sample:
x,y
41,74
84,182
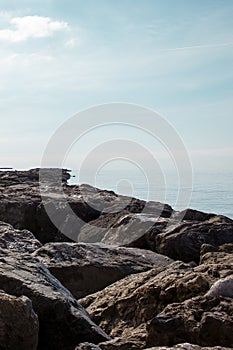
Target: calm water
x,y
210,192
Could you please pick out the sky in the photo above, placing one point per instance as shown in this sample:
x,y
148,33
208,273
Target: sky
x,y
61,57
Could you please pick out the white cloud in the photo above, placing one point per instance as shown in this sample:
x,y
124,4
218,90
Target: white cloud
x,y
72,42
31,27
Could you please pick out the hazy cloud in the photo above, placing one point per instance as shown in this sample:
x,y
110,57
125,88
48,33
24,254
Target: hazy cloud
x,y
24,28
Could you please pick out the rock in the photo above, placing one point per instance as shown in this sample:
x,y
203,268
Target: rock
x,y
187,346
19,324
87,346
69,207
217,264
63,322
22,177
222,287
183,241
122,344
202,320
21,241
217,255
116,344
124,308
193,215
86,268
129,229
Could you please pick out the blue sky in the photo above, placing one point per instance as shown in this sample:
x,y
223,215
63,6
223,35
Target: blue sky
x,y
59,57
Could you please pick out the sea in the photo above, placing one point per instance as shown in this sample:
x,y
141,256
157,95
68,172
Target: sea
x,y
210,192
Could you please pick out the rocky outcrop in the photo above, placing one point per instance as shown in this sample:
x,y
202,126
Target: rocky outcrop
x,y
178,237
87,268
19,324
21,204
202,320
142,298
63,322
126,306
183,241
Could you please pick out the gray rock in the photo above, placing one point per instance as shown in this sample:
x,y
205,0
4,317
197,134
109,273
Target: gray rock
x,y
183,241
19,324
222,287
15,240
63,322
87,268
129,229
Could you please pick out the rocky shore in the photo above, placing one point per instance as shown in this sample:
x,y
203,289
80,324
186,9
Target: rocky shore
x,y
129,275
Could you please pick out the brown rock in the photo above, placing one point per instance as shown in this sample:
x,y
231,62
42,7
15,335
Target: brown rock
x,y
183,241
124,308
202,320
87,268
187,346
19,324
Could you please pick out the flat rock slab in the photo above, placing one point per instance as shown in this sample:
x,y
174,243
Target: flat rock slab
x,y
86,268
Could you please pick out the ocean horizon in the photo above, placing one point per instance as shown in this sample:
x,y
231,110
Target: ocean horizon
x,y
210,192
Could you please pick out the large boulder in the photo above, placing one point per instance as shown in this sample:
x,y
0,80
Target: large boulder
x,y
203,320
63,322
183,241
124,308
87,268
128,229
19,324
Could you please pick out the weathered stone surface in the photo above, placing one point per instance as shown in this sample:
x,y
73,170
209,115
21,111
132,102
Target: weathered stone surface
x,y
129,229
86,268
125,307
21,241
21,204
87,346
116,344
19,324
216,262
63,322
22,177
217,255
202,320
222,287
187,346
183,241
193,215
